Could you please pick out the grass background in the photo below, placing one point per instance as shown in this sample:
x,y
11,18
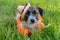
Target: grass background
x,y
51,14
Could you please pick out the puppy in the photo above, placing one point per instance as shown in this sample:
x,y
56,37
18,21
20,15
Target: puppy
x,y
31,17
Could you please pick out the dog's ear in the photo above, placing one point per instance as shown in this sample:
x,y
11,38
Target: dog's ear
x,y
40,10
19,8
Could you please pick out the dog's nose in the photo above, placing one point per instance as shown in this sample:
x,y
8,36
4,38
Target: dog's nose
x,y
32,20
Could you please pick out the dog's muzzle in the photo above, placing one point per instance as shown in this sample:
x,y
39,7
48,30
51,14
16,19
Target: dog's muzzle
x,y
32,19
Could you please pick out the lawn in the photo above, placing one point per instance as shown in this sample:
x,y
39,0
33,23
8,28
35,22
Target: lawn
x,y
51,14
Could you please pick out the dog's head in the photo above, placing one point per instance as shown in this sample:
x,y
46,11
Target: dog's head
x,y
31,15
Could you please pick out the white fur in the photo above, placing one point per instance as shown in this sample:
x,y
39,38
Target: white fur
x,y
19,8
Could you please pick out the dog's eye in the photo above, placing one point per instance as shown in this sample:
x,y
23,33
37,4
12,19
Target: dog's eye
x,y
27,12
34,12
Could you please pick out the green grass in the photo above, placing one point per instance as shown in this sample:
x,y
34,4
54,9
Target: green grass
x,y
51,14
